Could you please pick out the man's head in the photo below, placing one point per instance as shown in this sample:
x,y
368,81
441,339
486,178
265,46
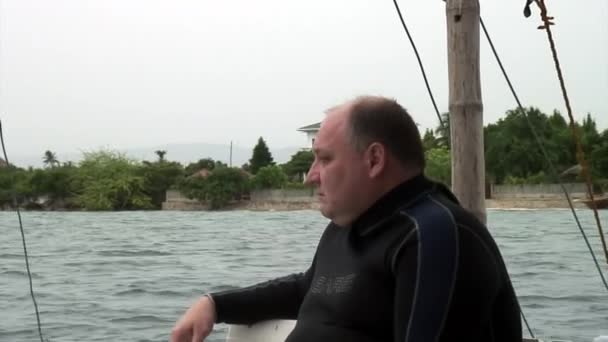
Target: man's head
x,y
364,148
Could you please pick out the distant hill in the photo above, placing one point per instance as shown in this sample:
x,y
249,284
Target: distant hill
x,y
183,153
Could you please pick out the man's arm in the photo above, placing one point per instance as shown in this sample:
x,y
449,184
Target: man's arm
x,y
275,299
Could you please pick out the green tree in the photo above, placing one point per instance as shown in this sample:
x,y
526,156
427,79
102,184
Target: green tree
x,y
429,141
261,157
161,155
108,180
443,131
589,135
159,177
513,154
15,184
299,164
538,178
559,142
26,194
7,186
512,150
439,165
219,188
223,185
599,159
193,187
205,163
270,177
50,159
55,183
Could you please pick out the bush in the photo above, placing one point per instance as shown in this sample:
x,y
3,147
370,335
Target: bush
x,y
439,165
538,178
270,177
108,180
192,187
512,180
297,185
298,165
224,185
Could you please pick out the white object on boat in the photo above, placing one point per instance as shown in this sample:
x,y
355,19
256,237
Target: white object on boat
x,y
603,338
278,330
266,331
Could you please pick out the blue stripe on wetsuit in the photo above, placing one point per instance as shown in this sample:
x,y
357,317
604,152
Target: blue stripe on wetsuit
x,y
436,272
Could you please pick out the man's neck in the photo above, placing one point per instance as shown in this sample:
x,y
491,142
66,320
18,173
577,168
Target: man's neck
x,y
383,186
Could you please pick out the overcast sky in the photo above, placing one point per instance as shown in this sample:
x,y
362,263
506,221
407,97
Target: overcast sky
x,y
82,74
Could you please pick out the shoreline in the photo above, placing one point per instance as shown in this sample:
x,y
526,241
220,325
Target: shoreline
x,y
491,204
528,203
190,205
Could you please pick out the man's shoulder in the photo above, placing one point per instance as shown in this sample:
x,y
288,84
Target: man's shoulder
x,y
439,209
444,196
471,231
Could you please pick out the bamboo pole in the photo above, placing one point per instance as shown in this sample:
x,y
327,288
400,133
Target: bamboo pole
x,y
465,105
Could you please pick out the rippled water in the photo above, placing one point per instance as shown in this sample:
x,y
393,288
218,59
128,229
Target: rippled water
x,y
129,275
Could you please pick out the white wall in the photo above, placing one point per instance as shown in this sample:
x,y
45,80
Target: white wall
x,y
310,136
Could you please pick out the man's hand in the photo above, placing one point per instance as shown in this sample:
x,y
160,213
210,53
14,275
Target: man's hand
x,y
196,324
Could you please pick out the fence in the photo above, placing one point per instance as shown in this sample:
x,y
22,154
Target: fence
x,y
576,190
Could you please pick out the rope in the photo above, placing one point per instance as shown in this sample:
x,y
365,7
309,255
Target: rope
x,y
533,132
544,152
27,264
426,82
526,322
579,149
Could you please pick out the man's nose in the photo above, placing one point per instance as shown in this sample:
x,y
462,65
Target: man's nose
x,y
312,177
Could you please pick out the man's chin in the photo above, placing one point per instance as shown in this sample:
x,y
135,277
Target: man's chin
x,y
325,211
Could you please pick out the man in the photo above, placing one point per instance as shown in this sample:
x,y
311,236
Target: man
x,y
400,260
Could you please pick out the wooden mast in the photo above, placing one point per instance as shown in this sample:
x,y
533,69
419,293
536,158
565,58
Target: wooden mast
x,y
465,105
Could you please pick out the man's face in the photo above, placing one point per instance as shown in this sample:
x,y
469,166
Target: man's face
x,y
338,170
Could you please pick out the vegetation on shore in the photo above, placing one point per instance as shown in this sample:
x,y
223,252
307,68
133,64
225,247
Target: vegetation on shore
x,y
513,156
109,180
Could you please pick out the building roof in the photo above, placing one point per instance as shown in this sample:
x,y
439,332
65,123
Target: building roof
x,y
202,173
310,128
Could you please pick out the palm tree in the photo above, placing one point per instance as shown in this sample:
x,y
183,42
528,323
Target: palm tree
x,y
443,131
161,155
50,159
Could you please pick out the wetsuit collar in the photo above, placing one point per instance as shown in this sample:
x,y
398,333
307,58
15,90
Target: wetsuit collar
x,y
408,191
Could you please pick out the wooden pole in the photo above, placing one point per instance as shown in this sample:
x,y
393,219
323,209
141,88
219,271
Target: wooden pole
x,y
466,108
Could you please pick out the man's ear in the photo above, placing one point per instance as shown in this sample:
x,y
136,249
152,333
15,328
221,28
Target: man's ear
x,y
376,156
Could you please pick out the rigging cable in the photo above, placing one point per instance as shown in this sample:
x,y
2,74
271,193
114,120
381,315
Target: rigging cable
x,y
544,152
426,81
27,264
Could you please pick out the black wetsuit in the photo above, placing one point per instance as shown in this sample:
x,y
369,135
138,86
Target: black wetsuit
x,y
365,283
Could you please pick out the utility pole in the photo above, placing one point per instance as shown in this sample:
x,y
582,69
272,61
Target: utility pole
x,y
230,153
465,105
